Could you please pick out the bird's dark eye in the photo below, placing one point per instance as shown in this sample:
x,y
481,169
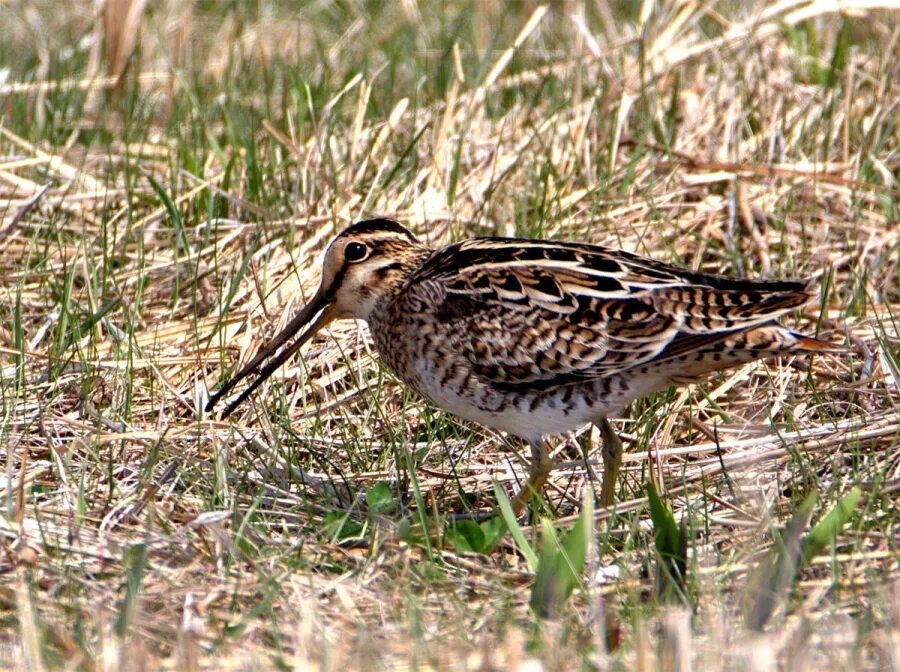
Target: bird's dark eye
x,y
355,252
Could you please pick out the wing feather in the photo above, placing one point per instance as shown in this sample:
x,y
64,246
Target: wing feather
x,y
545,314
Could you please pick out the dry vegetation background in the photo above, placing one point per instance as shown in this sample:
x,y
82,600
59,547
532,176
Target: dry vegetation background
x,y
170,171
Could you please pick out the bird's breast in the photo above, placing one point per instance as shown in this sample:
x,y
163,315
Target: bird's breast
x,y
425,356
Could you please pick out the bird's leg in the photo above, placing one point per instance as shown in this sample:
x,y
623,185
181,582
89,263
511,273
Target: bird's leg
x,y
537,476
612,461
585,448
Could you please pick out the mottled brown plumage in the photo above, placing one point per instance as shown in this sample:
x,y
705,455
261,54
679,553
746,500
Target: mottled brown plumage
x,y
537,338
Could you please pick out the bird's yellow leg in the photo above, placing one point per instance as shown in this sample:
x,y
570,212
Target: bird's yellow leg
x,y
537,476
612,461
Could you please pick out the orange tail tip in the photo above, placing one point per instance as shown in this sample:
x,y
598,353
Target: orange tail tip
x,y
809,344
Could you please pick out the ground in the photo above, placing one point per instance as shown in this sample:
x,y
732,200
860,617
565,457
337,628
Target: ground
x,y
169,175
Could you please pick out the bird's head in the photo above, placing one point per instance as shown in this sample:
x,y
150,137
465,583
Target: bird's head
x,y
364,265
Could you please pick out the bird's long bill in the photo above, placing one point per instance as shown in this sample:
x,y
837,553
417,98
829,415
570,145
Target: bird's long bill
x,y
318,311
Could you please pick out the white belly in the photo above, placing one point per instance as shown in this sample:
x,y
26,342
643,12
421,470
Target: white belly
x,y
549,416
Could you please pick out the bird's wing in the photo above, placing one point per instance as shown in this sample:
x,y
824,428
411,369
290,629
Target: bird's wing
x,y
543,314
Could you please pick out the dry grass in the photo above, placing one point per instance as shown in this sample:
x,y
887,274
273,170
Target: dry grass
x,y
167,179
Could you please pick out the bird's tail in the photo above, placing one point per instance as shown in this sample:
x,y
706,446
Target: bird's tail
x,y
810,344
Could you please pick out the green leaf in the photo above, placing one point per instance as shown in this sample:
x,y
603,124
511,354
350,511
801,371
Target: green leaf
x,y
546,593
771,580
561,565
380,499
466,536
135,562
494,530
773,575
839,55
338,526
419,499
578,541
665,529
89,323
171,209
827,529
670,540
405,531
513,526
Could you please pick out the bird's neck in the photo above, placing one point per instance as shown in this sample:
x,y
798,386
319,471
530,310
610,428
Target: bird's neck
x,y
394,278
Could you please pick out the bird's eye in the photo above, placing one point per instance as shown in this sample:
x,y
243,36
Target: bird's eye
x,y
355,252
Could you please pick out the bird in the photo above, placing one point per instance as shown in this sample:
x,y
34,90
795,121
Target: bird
x,y
535,338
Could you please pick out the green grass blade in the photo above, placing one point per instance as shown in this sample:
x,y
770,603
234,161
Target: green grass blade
x,y
512,525
771,577
670,541
561,565
826,530
135,563
770,581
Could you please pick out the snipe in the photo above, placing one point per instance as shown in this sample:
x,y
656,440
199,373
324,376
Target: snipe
x,y
532,337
